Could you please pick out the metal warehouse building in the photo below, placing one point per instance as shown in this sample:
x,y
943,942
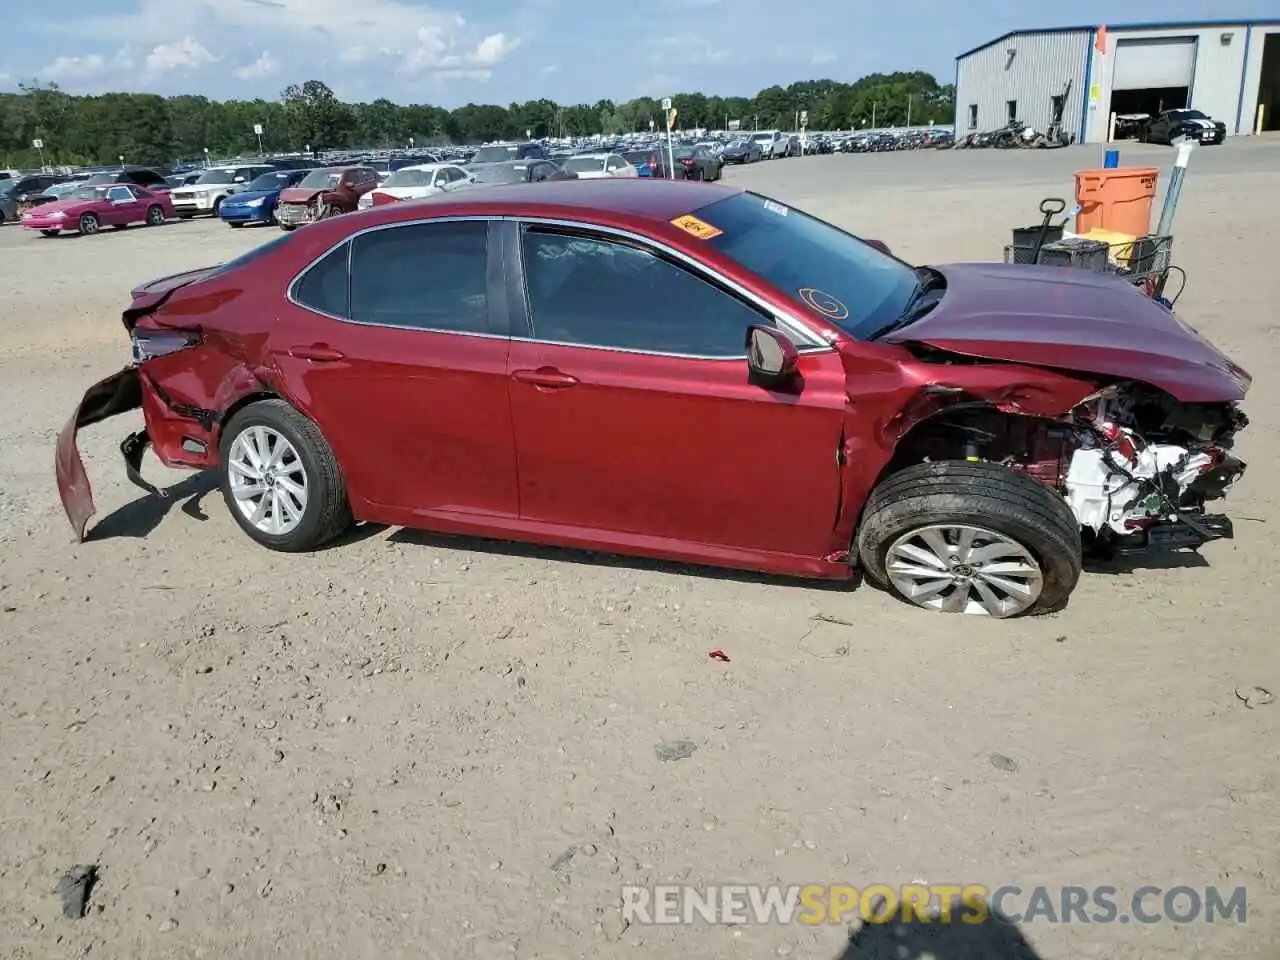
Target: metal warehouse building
x,y
1228,69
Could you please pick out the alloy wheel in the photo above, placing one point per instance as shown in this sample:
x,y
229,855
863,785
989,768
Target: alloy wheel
x,y
957,568
89,223
268,480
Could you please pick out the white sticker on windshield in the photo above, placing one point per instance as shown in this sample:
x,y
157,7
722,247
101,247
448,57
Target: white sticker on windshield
x,y
774,207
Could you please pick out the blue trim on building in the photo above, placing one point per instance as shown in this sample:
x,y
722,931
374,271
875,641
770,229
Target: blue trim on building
x,y
955,95
1155,25
1088,85
1244,74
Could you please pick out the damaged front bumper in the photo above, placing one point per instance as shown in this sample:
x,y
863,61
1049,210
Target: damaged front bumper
x,y
117,394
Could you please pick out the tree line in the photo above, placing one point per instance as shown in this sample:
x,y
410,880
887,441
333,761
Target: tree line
x,y
147,128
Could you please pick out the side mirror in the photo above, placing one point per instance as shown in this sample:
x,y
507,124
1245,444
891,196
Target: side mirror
x,y
772,359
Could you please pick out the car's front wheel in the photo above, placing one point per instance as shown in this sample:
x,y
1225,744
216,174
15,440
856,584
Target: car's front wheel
x,y
280,479
970,537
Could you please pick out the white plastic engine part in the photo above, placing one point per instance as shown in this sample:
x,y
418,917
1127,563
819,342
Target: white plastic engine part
x,y
1101,496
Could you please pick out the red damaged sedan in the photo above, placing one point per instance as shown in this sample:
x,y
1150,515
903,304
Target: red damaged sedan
x,y
688,372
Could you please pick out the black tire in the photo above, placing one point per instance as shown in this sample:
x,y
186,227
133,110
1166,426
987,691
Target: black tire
x,y
234,224
330,210
155,216
217,208
286,227
51,233
327,512
89,224
978,494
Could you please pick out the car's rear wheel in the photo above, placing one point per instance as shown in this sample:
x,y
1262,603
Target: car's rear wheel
x,y
155,216
280,479
89,224
965,537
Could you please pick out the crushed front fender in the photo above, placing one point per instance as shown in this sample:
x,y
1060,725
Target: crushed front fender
x,y
118,393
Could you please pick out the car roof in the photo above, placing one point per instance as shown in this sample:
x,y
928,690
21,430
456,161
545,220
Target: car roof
x,y
638,197
427,166
594,155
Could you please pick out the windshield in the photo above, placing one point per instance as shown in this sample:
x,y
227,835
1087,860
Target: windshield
x,y
762,136
101,178
410,178
216,176
320,179
501,173
271,181
1189,115
91,193
584,164
496,152
833,273
686,151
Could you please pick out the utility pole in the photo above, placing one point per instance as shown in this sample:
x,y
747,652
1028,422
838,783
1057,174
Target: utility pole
x,y
909,98
874,104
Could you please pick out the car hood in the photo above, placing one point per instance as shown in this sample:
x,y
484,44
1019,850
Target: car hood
x,y
1073,320
248,196
407,193
299,194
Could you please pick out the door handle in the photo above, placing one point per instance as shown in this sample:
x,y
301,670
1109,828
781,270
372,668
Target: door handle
x,y
545,377
318,352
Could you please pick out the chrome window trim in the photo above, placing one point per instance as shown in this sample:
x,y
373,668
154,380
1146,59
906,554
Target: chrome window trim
x,y
817,343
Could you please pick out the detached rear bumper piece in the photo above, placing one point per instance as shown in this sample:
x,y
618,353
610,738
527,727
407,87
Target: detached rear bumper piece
x,y
118,393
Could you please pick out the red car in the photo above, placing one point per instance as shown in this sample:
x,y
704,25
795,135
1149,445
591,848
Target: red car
x,y
685,371
89,210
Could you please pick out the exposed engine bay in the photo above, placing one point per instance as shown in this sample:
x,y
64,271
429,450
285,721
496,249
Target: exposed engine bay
x,y
1136,466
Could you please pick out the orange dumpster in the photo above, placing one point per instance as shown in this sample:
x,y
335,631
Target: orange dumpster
x,y
1118,200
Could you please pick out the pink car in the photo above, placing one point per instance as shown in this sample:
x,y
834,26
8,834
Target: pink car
x,y
87,211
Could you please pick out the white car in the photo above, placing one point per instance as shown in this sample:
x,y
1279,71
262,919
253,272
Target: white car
x,y
599,166
413,183
772,143
213,186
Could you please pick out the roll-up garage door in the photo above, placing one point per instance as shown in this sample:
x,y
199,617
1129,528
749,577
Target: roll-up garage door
x,y
1154,64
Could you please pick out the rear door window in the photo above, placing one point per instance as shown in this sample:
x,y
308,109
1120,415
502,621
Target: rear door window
x,y
426,276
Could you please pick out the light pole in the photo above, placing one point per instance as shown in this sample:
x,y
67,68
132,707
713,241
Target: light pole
x,y
122,161
206,157
411,143
257,132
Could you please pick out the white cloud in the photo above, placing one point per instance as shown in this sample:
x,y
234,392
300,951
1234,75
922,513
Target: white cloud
x,y
264,66
689,49
416,39
494,48
822,57
75,68
187,54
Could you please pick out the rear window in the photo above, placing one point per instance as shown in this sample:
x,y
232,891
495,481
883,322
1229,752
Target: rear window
x,y
271,246
584,164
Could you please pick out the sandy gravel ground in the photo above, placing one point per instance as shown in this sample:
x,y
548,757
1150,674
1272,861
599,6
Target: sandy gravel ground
x,y
412,746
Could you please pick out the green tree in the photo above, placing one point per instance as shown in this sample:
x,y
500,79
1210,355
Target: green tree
x,y
315,116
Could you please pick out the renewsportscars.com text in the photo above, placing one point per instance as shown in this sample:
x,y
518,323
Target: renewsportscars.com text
x,y
932,903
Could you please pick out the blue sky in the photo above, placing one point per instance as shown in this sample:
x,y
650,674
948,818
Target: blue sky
x,y
450,52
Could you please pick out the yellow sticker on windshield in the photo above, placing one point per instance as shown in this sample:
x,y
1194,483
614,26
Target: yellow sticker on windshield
x,y
698,228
